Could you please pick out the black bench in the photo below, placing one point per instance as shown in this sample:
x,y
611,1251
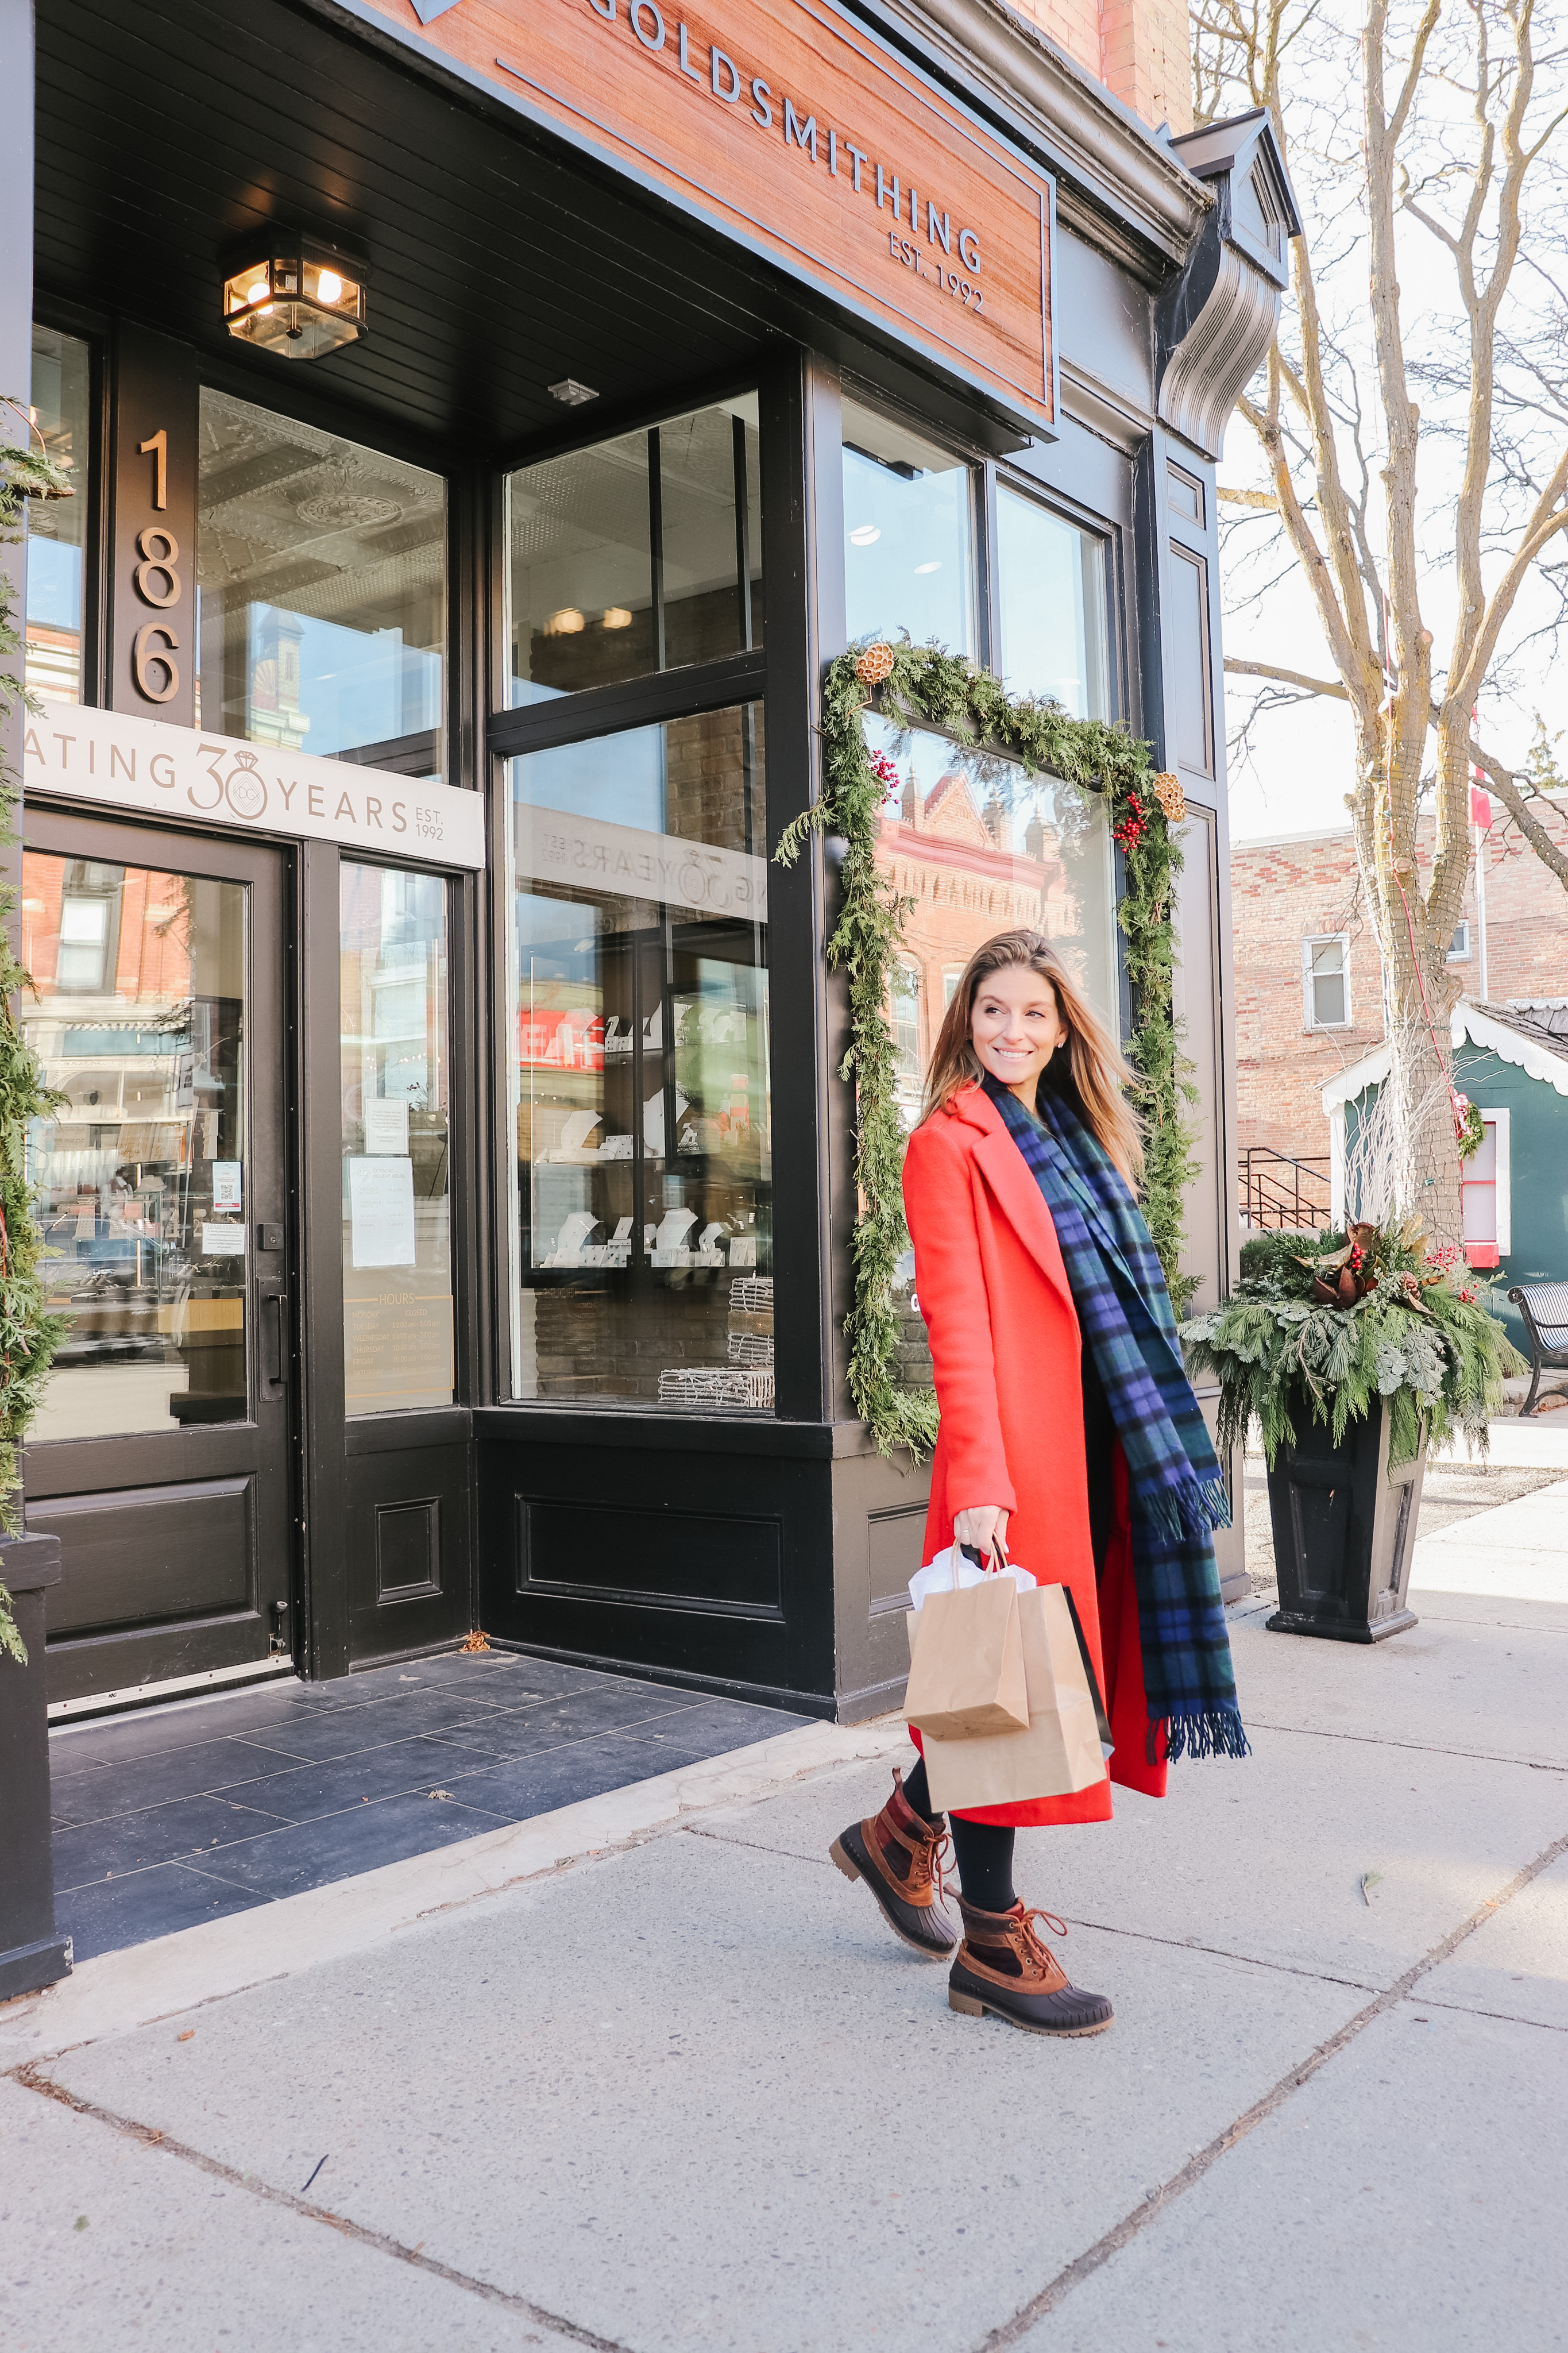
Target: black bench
x,y
1544,1307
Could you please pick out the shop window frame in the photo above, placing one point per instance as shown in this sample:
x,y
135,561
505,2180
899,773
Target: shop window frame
x,y
1000,476
94,329
259,387
580,717
982,496
658,694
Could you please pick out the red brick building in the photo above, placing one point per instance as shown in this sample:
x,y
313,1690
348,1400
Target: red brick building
x,y
1309,990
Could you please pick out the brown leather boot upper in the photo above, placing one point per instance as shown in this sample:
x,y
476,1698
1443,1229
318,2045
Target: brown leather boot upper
x,y
1003,1947
906,1849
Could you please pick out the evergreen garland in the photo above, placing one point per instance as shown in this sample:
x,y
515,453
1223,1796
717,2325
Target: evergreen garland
x,y
914,686
28,1334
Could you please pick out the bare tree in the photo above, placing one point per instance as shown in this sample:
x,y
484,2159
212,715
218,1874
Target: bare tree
x,y
1425,120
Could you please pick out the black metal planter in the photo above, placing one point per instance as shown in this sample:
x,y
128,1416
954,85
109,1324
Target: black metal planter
x,y
1344,1532
31,1953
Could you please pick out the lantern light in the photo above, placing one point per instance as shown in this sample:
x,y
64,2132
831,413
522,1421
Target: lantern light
x,y
295,295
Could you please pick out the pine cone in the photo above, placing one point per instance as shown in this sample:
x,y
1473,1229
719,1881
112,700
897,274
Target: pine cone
x,y
874,665
1169,794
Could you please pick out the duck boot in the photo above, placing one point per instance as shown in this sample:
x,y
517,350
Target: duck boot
x,y
1003,1967
898,1854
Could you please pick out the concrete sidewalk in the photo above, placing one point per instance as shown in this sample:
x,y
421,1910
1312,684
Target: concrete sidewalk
x,y
688,2091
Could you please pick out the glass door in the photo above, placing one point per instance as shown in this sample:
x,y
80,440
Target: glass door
x,y
160,1453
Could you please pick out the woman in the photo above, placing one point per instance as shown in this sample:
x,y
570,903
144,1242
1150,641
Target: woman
x,y
1068,1430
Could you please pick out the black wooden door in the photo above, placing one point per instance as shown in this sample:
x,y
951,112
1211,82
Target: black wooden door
x,y
162,1454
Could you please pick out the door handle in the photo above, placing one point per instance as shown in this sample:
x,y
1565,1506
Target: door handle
x,y
272,1314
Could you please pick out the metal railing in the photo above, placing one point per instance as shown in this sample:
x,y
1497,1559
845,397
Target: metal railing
x,y
1277,1190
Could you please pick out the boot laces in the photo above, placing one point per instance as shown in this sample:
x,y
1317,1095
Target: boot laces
x,y
1035,1950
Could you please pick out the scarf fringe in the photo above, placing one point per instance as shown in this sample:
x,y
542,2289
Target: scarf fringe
x,y
1188,1512
1199,1733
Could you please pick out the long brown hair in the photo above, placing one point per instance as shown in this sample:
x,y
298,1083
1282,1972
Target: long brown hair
x,y
1094,1073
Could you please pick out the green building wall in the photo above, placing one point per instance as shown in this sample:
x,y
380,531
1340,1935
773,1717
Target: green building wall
x,y
1538,1167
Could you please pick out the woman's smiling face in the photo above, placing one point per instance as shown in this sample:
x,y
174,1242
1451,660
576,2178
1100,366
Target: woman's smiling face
x,y
1016,1026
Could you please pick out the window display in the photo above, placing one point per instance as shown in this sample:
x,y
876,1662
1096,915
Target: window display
x,y
397,1174
640,555
643,1101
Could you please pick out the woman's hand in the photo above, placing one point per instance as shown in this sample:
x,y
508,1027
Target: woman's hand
x,y
981,1526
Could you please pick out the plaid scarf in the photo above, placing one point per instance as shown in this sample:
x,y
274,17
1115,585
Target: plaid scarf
x,y
1175,1486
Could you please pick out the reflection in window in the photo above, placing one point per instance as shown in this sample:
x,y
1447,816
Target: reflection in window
x,y
1051,596
976,846
321,568
908,546
981,847
398,1250
57,528
641,555
910,1068
137,1014
643,1238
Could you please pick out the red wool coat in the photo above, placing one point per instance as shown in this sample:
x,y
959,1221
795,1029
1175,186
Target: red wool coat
x,y
1004,1342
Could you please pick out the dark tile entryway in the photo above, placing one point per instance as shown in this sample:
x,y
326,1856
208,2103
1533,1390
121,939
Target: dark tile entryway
x,y
183,1814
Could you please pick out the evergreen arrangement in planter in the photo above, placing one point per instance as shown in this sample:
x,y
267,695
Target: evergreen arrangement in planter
x,y
1320,1328
1354,1352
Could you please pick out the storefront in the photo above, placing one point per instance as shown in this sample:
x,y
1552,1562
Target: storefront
x,y
486,421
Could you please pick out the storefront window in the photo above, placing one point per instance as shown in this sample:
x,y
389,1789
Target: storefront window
x,y
1051,596
980,846
641,555
643,1222
137,1012
909,534
57,528
397,1247
322,574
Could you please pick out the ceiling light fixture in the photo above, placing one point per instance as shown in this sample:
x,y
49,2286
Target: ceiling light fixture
x,y
294,296
616,617
571,394
865,535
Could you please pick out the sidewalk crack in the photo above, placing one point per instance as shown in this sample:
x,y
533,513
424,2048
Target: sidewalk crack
x,y
1186,2178
33,2077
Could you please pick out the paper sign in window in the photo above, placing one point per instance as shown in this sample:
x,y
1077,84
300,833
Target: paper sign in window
x,y
385,1127
381,1212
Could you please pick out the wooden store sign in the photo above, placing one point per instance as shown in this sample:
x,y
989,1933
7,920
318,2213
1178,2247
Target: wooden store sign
x,y
805,137
183,776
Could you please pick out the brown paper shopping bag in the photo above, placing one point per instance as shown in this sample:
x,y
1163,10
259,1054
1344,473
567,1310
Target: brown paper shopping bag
x,y
966,1672
1060,1751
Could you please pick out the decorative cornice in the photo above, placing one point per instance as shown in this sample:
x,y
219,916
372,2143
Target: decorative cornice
x,y
1214,326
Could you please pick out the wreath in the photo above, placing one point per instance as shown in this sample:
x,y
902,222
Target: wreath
x,y
914,686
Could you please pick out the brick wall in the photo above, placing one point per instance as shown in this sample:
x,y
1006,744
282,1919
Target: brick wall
x,y
1137,48
1285,891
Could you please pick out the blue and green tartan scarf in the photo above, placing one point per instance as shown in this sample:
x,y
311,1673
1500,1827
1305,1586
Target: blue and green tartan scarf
x,y
1176,1490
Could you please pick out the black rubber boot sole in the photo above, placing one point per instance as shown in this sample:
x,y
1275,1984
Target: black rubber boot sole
x,y
848,1851
1032,2012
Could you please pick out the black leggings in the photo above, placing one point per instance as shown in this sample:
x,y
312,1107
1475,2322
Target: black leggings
x,y
984,1850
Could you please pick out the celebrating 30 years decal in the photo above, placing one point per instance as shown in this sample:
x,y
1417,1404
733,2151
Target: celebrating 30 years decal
x,y
107,758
